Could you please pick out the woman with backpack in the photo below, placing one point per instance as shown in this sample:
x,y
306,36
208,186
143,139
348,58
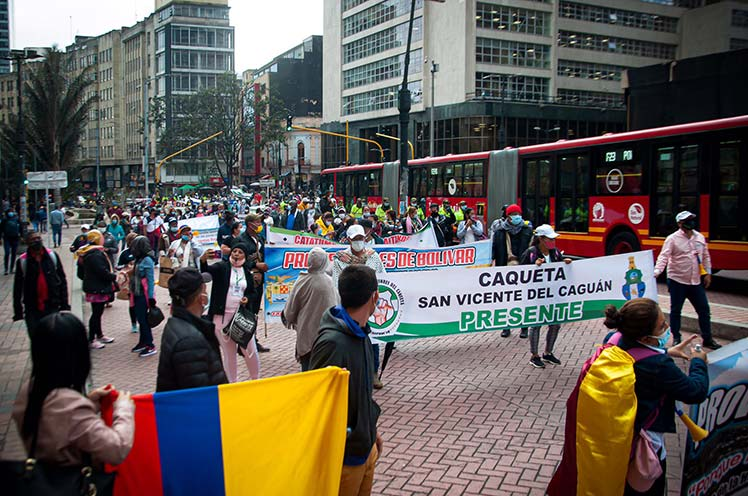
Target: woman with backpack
x,y
95,270
543,250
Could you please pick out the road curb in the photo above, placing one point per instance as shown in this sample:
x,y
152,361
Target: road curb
x,y
723,329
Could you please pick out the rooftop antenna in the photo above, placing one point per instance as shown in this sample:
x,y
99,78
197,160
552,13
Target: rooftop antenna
x,y
71,29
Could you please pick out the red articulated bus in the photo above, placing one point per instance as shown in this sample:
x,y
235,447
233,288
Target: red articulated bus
x,y
608,194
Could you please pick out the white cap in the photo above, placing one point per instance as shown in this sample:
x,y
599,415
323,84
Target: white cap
x,y
546,231
87,227
683,216
355,230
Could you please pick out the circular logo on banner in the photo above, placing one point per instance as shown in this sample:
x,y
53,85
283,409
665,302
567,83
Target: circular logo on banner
x,y
387,313
452,186
614,180
636,213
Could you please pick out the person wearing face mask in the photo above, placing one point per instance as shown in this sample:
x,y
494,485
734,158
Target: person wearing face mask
x,y
233,287
116,230
228,241
170,235
685,255
343,332
142,296
511,239
324,223
411,223
95,270
391,225
357,209
358,254
382,209
153,227
543,250
190,355
186,250
470,229
659,380
40,286
11,233
437,223
293,220
252,238
450,220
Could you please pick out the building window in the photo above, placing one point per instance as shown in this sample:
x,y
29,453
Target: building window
x,y
740,18
349,4
382,70
202,37
628,18
738,44
516,88
516,53
381,99
625,46
377,14
384,40
201,12
512,19
590,98
585,70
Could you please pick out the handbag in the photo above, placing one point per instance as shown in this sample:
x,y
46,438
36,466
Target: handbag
x,y
242,327
644,465
154,316
33,477
511,258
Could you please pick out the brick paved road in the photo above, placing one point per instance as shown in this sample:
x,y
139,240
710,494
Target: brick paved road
x,y
460,414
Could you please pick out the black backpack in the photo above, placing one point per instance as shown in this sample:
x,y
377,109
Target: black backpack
x,y
11,228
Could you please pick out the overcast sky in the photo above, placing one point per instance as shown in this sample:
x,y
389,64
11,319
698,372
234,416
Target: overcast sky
x,y
264,28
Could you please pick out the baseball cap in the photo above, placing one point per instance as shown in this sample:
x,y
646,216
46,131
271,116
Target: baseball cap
x,y
684,215
355,230
513,209
184,284
546,231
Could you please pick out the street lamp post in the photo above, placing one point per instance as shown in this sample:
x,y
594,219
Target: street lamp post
x,y
403,105
434,70
19,56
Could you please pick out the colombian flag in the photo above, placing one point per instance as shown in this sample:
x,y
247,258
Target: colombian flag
x,y
600,414
278,436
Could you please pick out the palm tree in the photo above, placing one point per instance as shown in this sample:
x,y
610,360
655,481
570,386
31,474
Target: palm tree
x,y
57,110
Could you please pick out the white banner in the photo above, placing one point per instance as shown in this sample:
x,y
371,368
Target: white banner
x,y
425,239
204,230
453,301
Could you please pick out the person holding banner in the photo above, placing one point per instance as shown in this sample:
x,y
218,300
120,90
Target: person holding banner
x,y
358,254
412,223
233,286
543,250
510,240
186,250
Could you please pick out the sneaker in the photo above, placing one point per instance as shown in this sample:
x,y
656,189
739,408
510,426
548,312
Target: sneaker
x,y
148,351
138,348
551,359
134,329
505,333
378,383
537,363
96,345
106,340
523,333
712,344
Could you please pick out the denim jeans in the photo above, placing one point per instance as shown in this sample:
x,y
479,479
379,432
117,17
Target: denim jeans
x,y
141,314
57,234
696,294
11,249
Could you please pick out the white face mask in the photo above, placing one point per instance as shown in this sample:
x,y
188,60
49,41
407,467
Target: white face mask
x,y
357,245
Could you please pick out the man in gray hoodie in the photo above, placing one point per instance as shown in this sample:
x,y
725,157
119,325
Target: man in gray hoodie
x,y
343,342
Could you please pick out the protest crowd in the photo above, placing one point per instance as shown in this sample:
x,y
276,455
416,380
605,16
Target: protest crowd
x,y
132,246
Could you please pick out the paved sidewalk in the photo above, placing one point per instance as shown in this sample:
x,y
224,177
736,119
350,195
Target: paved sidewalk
x,y
460,414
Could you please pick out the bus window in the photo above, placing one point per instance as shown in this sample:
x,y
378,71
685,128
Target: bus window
x,y
374,178
349,191
363,184
619,172
671,195
727,223
418,182
573,192
536,178
434,183
447,176
474,185
458,179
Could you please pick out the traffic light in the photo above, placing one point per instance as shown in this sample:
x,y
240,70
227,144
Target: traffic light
x,y
289,123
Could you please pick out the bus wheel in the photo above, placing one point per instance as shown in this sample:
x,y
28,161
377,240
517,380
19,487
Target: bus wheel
x,y
623,242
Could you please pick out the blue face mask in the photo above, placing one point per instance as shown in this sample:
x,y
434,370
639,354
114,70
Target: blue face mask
x,y
515,219
185,237
662,339
174,229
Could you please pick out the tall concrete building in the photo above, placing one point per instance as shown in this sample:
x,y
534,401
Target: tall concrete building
x,y
503,72
294,79
4,35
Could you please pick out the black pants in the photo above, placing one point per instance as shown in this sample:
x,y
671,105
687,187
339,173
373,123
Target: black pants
x,y
141,312
133,319
11,249
659,488
94,323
